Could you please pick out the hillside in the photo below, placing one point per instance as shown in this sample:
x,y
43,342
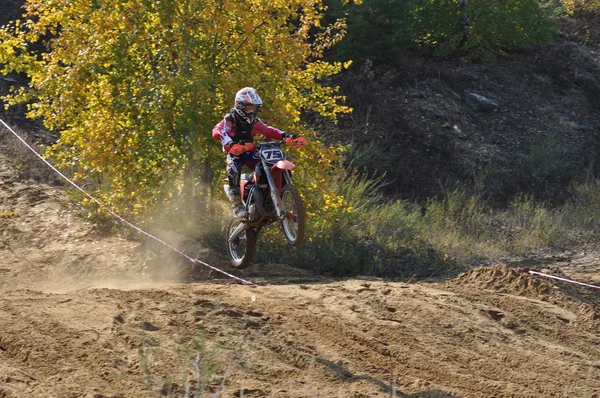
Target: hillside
x,y
525,124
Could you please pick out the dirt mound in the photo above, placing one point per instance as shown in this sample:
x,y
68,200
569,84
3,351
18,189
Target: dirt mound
x,y
503,279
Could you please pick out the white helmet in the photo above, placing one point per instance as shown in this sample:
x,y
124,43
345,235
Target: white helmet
x,y
247,104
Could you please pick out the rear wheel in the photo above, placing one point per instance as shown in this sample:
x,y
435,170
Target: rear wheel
x,y
294,223
241,250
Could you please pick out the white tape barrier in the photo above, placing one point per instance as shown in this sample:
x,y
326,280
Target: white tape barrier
x,y
522,270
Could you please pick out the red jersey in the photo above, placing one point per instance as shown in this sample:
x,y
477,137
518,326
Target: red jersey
x,y
227,131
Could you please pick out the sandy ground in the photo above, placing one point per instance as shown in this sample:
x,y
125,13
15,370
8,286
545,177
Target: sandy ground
x,y
82,314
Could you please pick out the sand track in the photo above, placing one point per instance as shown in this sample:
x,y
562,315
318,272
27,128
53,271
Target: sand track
x,y
82,316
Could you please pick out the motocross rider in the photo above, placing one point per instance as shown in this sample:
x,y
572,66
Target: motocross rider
x,y
241,124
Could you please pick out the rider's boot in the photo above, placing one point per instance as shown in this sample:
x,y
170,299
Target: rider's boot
x,y
238,208
236,203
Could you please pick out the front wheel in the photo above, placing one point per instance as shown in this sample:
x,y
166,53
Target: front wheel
x,y
294,222
241,249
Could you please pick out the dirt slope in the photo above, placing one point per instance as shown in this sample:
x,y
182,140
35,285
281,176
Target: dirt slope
x,y
82,315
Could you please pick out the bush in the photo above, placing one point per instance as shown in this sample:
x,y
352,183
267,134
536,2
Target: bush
x,y
374,236
480,29
375,30
370,236
381,30
581,6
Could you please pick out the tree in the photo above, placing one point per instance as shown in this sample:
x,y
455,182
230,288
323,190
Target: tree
x,y
135,86
376,29
482,28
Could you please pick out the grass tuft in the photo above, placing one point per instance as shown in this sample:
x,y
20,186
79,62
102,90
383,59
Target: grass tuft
x,y
395,238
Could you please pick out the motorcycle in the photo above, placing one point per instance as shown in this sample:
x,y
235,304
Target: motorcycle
x,y
268,196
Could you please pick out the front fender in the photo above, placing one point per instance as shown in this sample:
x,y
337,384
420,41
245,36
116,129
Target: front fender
x,y
283,165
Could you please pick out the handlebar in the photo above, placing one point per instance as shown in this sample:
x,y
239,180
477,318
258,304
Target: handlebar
x,y
264,144
297,142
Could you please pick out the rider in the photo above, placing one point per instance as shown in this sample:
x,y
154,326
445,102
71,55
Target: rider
x,y
241,124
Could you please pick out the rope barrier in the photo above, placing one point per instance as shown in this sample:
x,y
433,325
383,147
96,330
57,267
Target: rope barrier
x,y
121,219
527,270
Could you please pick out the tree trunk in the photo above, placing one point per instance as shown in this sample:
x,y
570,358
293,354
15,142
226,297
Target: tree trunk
x,y
465,22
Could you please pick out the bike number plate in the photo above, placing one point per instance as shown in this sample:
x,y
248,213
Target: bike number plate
x,y
271,155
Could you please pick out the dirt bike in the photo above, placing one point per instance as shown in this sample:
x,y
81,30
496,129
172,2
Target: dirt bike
x,y
268,196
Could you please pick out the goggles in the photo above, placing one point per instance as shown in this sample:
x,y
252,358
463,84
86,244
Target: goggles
x,y
251,108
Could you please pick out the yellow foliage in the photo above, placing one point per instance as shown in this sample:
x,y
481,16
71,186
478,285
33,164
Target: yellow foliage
x,y
9,214
134,87
581,6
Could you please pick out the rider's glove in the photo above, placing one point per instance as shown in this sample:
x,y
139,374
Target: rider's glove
x,y
238,149
295,141
287,135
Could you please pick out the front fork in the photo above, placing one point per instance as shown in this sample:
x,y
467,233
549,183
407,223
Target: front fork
x,y
275,195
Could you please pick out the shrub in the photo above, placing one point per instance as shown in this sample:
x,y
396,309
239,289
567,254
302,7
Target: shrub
x,y
480,29
581,6
369,236
375,29
394,238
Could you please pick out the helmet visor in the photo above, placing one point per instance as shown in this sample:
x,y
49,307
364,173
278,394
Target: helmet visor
x,y
251,109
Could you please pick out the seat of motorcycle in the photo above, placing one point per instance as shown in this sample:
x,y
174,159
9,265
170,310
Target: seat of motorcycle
x,y
246,176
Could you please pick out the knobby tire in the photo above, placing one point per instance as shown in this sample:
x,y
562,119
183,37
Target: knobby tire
x,y
245,260
300,213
